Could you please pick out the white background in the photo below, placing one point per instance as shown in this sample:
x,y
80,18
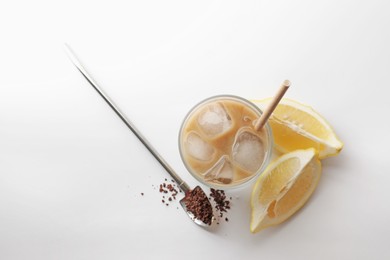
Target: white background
x,y
71,173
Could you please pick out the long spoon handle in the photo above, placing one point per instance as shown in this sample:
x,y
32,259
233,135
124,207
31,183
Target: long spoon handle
x,y
127,122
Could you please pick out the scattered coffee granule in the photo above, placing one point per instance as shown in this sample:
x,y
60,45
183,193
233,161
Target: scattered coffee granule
x,y
142,193
198,204
221,203
170,190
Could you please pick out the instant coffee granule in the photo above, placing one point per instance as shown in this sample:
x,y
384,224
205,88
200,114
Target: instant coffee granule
x,y
170,191
222,204
197,203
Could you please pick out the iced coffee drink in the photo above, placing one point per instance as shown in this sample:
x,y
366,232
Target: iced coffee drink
x,y
219,145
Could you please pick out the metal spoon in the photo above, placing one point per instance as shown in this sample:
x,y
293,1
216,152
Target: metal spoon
x,y
181,184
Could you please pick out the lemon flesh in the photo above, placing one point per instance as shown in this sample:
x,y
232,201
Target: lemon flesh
x,y
284,188
297,126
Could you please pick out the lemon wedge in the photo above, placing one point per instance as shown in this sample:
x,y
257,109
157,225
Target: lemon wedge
x,y
297,126
283,188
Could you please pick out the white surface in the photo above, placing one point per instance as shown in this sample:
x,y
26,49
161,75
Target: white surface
x,y
71,173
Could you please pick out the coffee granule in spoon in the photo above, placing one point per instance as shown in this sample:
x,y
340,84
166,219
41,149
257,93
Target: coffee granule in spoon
x,y
196,201
198,204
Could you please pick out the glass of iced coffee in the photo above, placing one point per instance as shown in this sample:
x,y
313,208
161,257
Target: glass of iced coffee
x,y
219,145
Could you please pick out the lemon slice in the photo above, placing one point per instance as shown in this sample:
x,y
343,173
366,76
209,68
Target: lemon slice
x,y
284,188
297,126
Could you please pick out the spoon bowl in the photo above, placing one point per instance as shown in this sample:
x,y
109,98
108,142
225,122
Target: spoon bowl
x,y
198,207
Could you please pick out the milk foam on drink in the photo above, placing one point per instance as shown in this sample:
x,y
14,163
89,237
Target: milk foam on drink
x,y
218,142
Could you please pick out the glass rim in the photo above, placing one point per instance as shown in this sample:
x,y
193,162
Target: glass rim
x,y
268,155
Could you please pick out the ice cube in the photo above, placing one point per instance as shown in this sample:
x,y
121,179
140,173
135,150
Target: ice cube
x,y
248,150
221,172
214,119
198,148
